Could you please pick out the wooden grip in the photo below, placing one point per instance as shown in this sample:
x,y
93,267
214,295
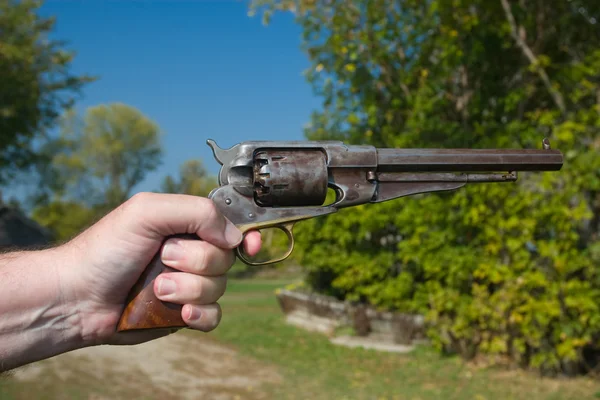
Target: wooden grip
x,y
143,310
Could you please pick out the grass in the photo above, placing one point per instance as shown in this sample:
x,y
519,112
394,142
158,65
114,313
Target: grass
x,y
314,368
77,381
311,367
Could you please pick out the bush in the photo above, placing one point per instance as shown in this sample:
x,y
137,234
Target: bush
x,y
501,269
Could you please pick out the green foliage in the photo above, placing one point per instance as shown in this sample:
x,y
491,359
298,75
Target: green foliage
x,y
507,270
35,83
96,162
193,179
64,218
107,153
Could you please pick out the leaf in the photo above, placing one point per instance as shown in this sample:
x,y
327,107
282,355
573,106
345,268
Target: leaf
x,y
487,262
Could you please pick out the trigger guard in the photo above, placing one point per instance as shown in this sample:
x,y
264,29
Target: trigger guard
x,y
287,228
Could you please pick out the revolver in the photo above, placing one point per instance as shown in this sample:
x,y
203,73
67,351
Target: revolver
x,y
275,184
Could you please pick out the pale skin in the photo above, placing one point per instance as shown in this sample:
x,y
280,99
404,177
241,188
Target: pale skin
x,y
71,296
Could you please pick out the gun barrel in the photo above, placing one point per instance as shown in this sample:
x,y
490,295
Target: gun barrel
x,y
456,160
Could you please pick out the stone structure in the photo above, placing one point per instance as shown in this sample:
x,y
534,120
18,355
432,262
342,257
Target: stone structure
x,y
326,314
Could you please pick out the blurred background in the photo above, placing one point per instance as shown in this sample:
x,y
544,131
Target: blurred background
x,y
492,291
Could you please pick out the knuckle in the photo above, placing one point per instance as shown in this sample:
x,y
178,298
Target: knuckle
x,y
222,285
209,207
136,202
140,198
213,216
202,258
231,258
225,262
224,279
210,214
198,287
210,260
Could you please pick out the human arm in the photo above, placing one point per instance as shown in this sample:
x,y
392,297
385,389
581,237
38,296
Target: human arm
x,y
71,296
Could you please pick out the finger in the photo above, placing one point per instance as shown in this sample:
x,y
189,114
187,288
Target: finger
x,y
184,288
203,318
197,257
165,214
252,243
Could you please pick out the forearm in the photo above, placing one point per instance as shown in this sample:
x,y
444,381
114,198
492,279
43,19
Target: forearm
x,y
36,321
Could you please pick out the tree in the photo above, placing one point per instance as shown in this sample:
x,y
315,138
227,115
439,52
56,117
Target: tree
x,y
502,269
96,162
35,83
64,218
193,179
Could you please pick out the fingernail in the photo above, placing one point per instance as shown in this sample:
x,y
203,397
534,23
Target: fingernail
x,y
194,313
173,251
166,287
233,234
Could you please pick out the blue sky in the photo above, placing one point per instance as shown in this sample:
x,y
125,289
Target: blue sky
x,y
200,69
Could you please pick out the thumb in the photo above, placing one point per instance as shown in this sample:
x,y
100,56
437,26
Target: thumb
x,y
161,215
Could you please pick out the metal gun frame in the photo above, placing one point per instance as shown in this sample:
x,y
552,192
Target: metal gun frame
x,y
272,184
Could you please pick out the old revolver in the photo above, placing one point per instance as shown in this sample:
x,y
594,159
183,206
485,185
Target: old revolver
x,y
274,184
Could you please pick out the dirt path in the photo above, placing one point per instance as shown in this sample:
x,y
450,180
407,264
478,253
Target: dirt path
x,y
180,366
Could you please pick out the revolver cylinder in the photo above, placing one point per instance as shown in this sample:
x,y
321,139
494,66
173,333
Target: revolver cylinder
x,y
290,178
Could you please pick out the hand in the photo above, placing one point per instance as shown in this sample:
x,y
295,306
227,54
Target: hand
x,y
111,255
